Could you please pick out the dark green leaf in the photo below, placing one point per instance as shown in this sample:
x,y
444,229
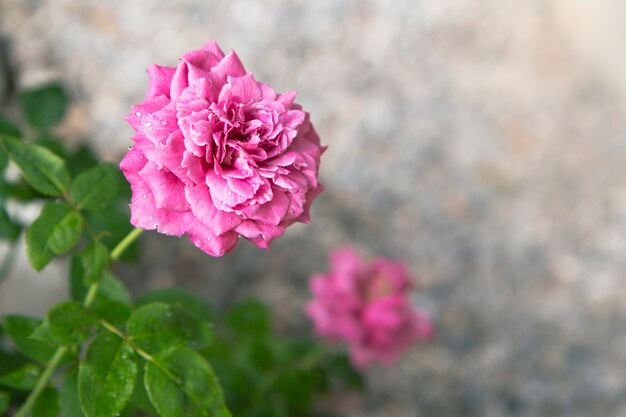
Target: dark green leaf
x,y
193,303
41,168
70,404
47,404
140,397
8,229
70,322
341,367
81,160
5,400
95,188
106,377
78,289
19,329
23,378
249,318
54,145
295,388
187,388
157,326
8,128
95,259
43,106
56,230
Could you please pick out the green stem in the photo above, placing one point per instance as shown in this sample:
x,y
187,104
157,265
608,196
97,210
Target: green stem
x,y
58,354
124,244
41,383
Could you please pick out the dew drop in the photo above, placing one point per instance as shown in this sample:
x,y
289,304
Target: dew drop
x,y
163,122
147,124
229,193
138,114
143,196
151,217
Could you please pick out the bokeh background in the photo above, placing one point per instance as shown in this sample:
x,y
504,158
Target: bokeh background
x,y
483,141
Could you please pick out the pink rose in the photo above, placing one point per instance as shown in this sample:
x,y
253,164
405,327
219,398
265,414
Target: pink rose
x,y
218,155
367,305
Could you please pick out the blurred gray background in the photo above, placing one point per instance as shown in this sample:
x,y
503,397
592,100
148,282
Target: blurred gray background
x,y
483,141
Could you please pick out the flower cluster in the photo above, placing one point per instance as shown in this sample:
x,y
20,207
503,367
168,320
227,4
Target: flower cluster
x,y
218,155
367,306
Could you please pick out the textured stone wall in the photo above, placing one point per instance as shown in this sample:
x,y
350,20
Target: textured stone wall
x,y
484,141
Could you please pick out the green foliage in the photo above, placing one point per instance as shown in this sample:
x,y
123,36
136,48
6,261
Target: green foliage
x,y
68,396
95,188
47,404
56,231
19,328
182,383
193,303
41,168
4,402
71,323
8,228
23,378
106,377
43,106
95,260
158,326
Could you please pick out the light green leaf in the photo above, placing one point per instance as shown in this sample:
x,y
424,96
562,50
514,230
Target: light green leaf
x,y
157,326
40,167
19,328
42,333
68,399
183,384
95,259
70,322
96,187
106,377
56,230
43,106
23,378
47,404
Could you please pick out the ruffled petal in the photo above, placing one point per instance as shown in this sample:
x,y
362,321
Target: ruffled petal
x,y
218,222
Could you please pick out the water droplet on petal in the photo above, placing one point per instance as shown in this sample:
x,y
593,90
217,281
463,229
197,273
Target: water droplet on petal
x,y
138,114
147,124
163,122
143,196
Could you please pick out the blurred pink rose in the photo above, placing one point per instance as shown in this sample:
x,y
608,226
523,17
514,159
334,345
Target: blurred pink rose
x,y
218,155
367,305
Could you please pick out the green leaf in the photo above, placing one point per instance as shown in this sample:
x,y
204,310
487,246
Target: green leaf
x,y
106,377
249,318
43,106
77,287
183,384
8,229
23,378
157,326
96,187
19,329
42,334
193,303
41,168
47,404
140,397
68,399
81,160
56,230
112,302
8,128
70,322
52,144
95,259
5,400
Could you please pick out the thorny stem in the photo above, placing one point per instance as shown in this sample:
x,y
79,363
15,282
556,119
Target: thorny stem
x,y
89,298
